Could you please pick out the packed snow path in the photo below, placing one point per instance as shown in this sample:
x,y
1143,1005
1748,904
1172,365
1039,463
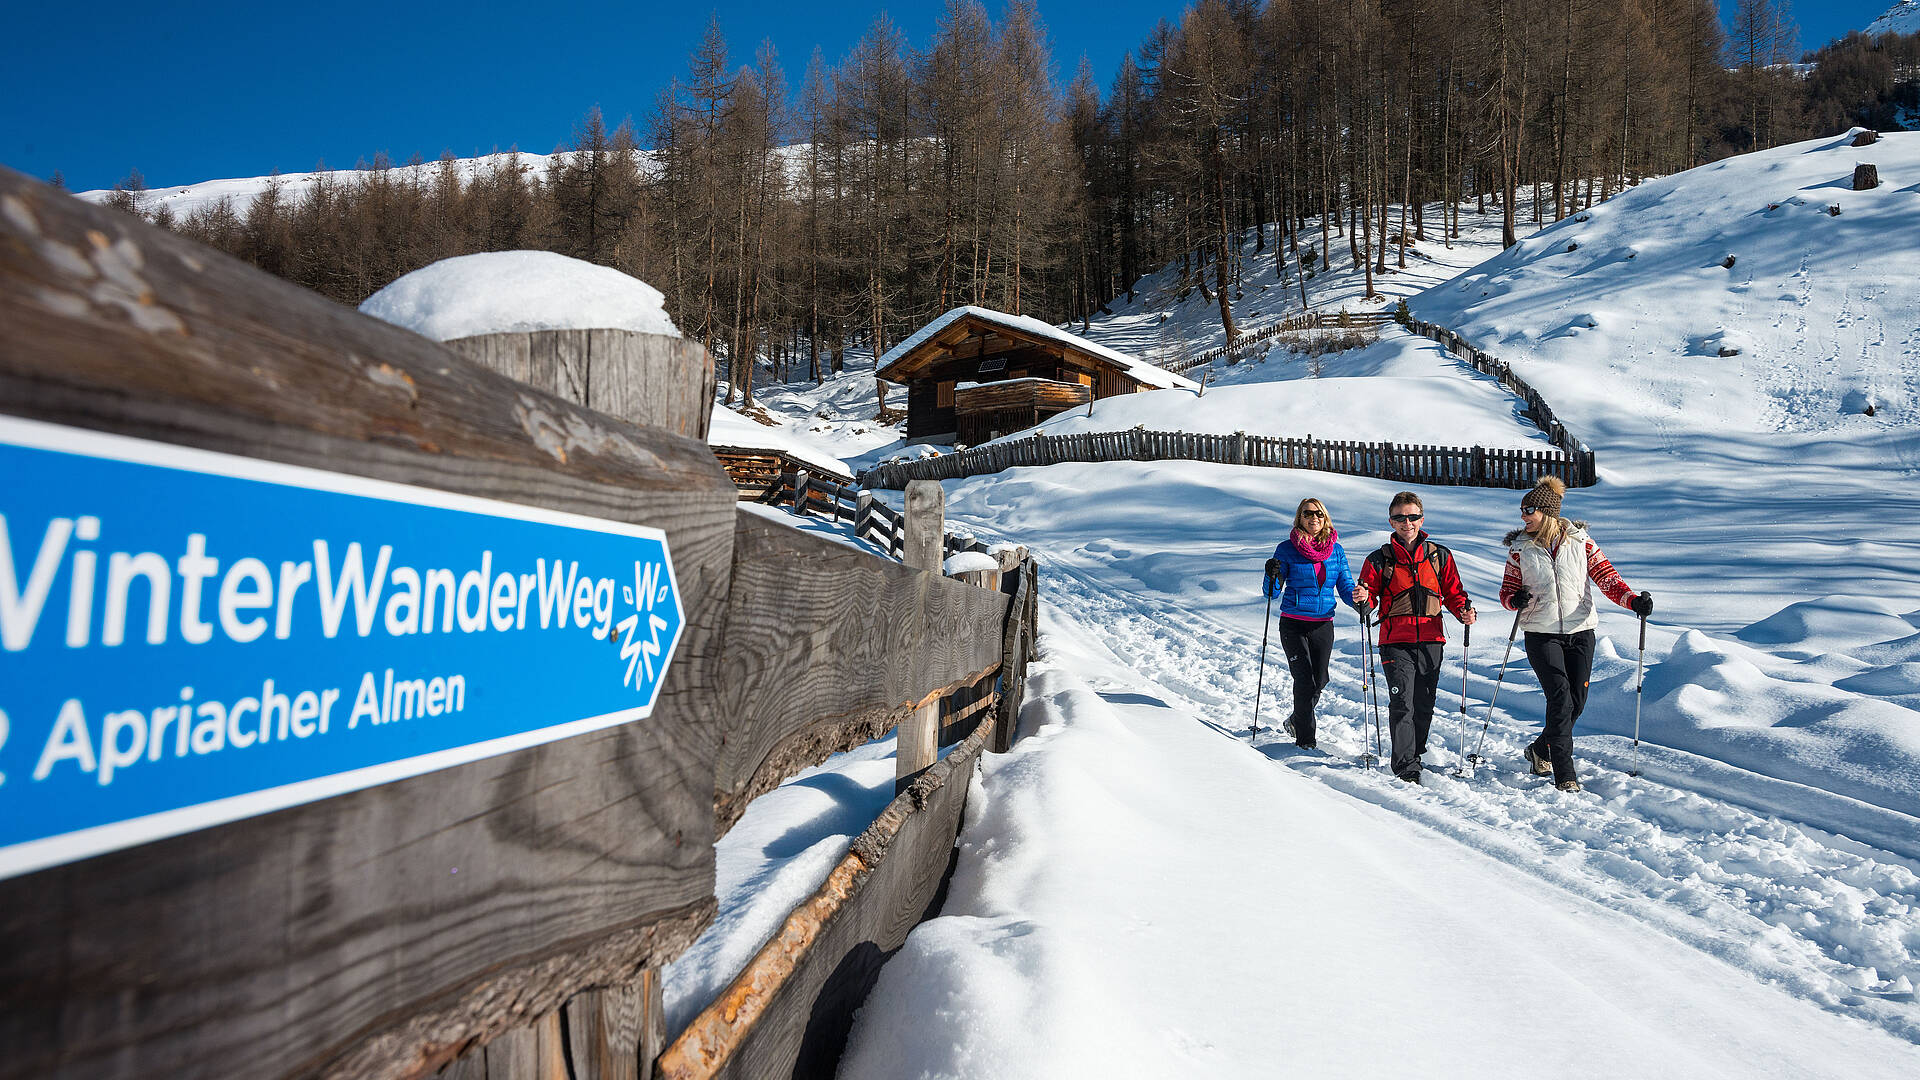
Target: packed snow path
x,y
1699,920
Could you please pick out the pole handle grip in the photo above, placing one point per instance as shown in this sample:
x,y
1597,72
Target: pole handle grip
x,y
1643,633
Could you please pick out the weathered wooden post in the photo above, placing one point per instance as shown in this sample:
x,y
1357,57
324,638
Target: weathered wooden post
x,y
800,493
1866,177
649,379
924,525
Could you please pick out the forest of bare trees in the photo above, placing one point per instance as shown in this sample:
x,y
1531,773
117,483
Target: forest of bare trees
x,y
790,223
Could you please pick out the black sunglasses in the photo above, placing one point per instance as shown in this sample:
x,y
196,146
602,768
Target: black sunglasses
x,y
1404,517
1313,513
1528,511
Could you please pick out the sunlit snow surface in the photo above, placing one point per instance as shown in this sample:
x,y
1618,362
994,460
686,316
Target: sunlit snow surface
x,y
518,291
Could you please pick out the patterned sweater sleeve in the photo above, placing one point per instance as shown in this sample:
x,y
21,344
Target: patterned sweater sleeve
x,y
1605,576
1510,582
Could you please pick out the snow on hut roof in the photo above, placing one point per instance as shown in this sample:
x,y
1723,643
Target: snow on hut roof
x,y
1139,370
501,292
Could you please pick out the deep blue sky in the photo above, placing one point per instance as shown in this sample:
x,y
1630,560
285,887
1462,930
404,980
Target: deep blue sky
x,y
218,89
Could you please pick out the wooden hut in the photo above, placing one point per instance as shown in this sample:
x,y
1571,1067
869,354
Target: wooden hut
x,y
975,374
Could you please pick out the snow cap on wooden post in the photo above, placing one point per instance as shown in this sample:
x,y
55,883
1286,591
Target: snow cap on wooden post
x,y
926,520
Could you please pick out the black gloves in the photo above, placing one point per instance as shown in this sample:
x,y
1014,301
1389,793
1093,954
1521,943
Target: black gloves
x,y
1273,569
1642,605
1522,596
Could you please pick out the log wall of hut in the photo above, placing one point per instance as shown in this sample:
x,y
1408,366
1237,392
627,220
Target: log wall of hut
x,y
988,411
931,410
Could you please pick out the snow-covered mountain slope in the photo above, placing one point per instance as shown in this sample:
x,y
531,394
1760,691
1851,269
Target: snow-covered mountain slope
x,y
1902,18
185,199
1622,314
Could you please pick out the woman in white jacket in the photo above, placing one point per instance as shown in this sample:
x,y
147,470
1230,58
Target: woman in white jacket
x,y
1552,567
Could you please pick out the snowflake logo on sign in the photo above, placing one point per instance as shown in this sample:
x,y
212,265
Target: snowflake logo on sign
x,y
648,596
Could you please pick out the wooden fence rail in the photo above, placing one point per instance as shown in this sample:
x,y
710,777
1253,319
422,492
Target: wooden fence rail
x,y
1443,466
1537,408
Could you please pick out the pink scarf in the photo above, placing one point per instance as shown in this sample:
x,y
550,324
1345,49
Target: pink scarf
x,y
1316,551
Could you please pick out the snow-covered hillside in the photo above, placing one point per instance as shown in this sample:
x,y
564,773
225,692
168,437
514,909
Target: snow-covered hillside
x,y
1902,18
1760,294
185,199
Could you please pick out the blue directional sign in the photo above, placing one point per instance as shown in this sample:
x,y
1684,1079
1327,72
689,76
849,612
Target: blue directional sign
x,y
188,638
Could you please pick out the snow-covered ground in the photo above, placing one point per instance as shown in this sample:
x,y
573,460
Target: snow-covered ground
x,y
1144,890
1402,388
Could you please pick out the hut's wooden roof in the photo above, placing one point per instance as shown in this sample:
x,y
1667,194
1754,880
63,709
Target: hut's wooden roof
x,y
942,337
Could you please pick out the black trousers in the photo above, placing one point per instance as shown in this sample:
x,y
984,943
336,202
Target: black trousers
x,y
1563,663
1413,678
1308,645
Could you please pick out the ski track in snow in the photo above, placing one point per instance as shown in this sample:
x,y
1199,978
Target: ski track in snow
x,y
1828,919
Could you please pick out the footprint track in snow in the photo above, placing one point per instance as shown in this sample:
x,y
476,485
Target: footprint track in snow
x,y
1837,923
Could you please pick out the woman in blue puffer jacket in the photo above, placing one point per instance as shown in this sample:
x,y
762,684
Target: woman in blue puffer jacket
x,y
1306,571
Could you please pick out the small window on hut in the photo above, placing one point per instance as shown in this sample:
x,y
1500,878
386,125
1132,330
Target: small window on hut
x,y
943,396
1084,378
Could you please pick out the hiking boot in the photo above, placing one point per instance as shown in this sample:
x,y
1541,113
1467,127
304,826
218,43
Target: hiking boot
x,y
1412,778
1287,726
1568,785
1537,761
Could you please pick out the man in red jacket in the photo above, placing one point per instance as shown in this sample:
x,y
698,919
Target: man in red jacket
x,y
1412,579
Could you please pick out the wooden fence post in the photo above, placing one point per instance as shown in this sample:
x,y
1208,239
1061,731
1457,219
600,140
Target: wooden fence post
x,y
916,743
925,525
800,493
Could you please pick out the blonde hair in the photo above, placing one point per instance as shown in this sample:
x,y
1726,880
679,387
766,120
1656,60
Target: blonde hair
x,y
1551,528
1326,519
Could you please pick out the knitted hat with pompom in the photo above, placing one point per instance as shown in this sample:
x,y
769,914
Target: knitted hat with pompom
x,y
1545,496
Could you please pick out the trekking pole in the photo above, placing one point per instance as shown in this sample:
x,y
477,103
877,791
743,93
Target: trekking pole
x,y
1265,626
1639,681
1369,694
1460,728
1474,759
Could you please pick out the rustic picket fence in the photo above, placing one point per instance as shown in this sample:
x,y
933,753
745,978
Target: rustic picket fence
x,y
1441,466
331,939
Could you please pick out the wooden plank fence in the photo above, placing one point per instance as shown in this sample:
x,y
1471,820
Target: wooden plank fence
x,y
1441,466
332,939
